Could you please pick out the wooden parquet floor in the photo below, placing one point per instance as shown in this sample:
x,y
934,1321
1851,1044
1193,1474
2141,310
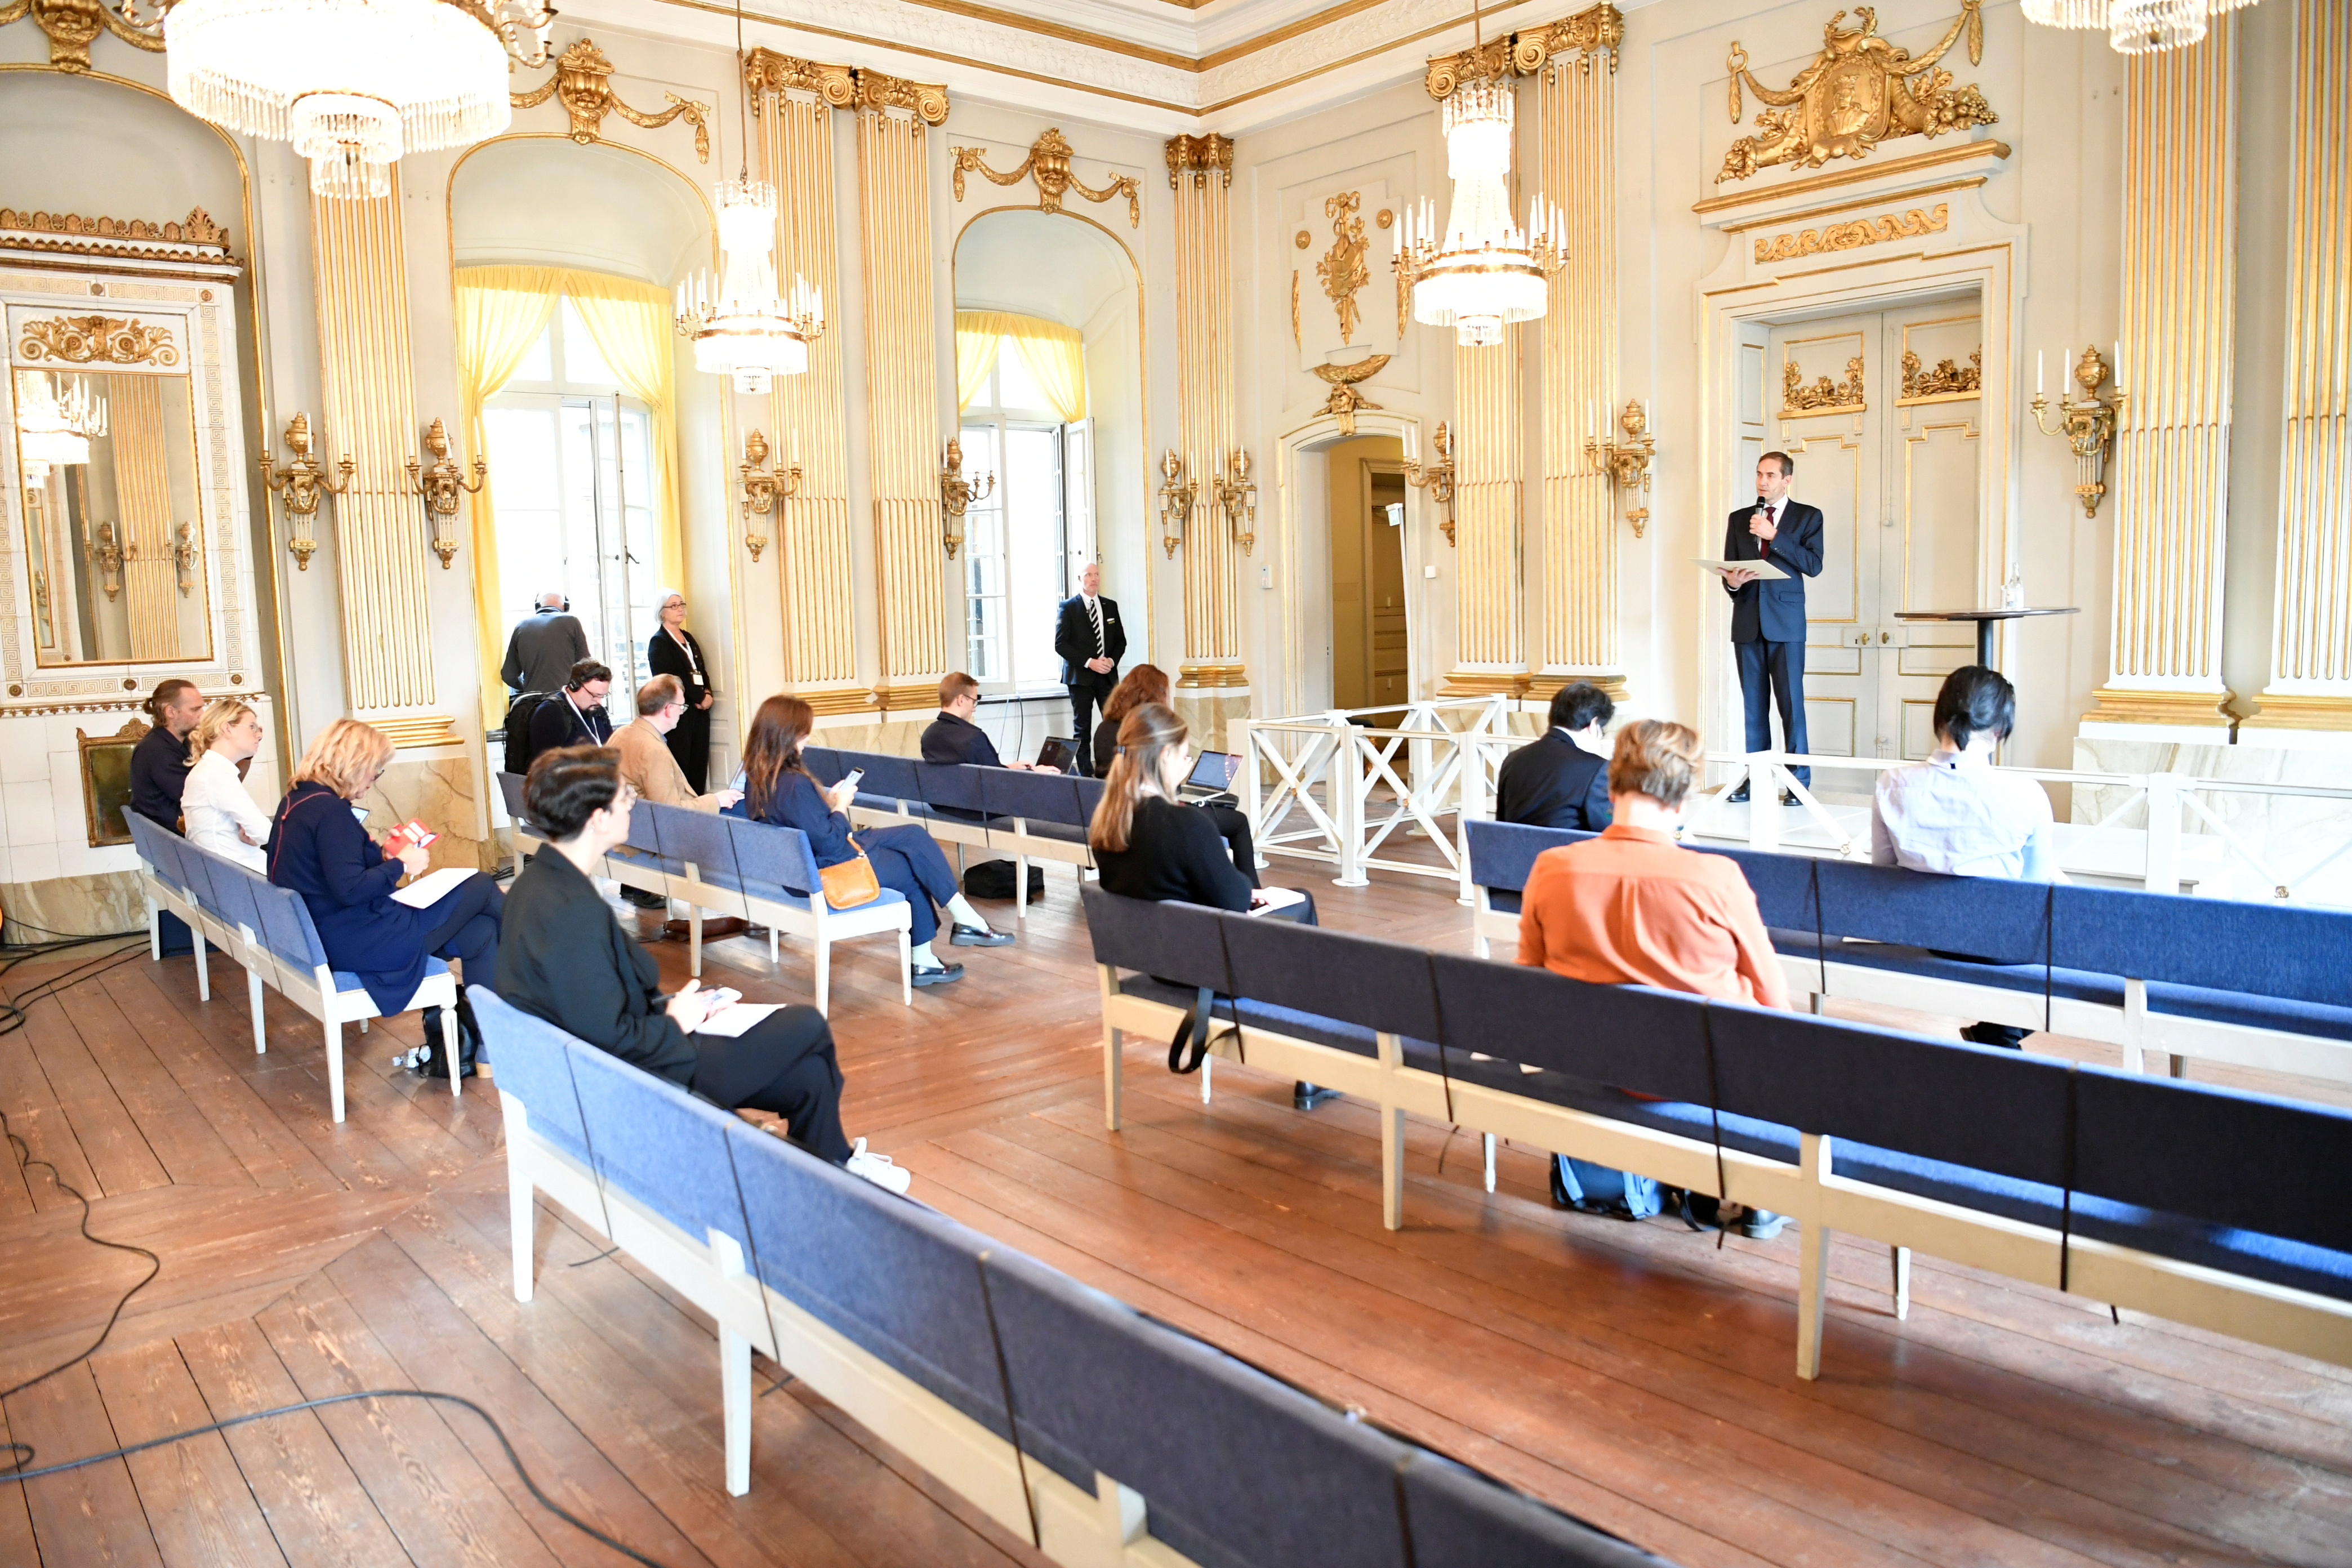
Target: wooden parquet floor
x,y
1637,1375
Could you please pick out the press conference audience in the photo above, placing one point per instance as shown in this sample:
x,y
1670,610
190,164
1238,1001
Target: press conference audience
x,y
672,650
1958,814
1560,779
575,716
1635,908
1149,845
318,848
778,789
563,957
220,812
649,767
159,762
952,737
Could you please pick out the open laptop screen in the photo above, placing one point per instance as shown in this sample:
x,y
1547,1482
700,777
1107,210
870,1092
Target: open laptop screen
x,y
1214,771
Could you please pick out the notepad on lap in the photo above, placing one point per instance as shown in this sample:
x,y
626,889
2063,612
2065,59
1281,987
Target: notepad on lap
x,y
1763,569
1278,898
736,1018
432,887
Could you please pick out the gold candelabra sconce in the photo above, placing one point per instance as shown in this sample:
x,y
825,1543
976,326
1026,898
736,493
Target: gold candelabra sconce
x,y
956,494
301,483
183,556
1436,477
1177,496
440,485
105,554
1236,494
764,487
1628,465
2089,423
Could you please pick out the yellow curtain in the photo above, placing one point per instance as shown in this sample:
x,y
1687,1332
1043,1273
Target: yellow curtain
x,y
633,327
501,311
1053,353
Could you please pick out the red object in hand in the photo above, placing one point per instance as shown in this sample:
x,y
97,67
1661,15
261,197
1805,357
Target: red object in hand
x,y
411,833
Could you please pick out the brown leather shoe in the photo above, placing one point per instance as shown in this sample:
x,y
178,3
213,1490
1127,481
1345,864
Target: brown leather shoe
x,y
712,930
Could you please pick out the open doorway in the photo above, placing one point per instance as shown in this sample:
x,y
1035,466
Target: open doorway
x,y
1370,638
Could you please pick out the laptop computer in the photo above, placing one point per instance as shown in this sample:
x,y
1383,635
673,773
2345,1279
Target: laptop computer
x,y
1212,774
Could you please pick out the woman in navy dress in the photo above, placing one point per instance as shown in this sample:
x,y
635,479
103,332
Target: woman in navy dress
x,y
318,848
777,789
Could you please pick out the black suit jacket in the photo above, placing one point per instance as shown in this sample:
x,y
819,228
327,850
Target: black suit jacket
x,y
557,723
1554,783
664,657
1174,852
159,772
563,957
948,738
1073,640
1774,611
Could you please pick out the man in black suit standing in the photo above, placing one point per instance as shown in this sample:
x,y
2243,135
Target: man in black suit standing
x,y
1090,642
1561,778
1768,617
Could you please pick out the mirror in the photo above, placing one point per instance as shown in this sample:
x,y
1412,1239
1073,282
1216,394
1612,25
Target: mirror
x,y
106,467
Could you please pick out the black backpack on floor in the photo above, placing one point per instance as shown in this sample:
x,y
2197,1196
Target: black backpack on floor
x,y
994,880
519,713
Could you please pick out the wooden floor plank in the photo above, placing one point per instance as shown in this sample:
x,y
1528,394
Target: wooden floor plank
x,y
120,1160
15,1521
36,1116
317,1508
175,1125
197,1504
87,1516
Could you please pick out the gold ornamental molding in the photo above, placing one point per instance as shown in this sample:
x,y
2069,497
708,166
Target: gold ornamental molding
x,y
582,83
70,233
1882,230
764,70
72,26
1858,92
2289,710
1949,381
1526,52
1200,156
1048,163
1345,399
1344,269
1799,401
98,340
2126,705
413,731
926,100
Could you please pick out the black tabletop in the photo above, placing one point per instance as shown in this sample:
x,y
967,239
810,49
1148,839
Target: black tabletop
x,y
1981,615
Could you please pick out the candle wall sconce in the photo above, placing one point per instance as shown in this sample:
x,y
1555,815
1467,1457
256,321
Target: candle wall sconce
x,y
1176,497
300,484
956,494
763,489
1437,477
440,485
2089,423
1629,464
1236,494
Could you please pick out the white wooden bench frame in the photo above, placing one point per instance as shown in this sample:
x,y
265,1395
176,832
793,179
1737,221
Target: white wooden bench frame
x,y
2300,1321
313,990
2132,1025
1103,1528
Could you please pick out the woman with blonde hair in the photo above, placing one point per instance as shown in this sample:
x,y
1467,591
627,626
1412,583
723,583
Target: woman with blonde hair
x,y
318,848
778,789
221,815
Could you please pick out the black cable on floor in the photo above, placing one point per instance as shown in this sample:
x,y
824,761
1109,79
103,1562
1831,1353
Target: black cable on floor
x,y
12,1018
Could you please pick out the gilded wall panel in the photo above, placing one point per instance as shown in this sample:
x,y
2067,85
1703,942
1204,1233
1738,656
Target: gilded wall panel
x,y
1491,620
370,398
1201,168
2179,337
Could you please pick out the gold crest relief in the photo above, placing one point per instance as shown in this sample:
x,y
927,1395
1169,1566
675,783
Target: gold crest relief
x,y
1858,92
1343,268
99,340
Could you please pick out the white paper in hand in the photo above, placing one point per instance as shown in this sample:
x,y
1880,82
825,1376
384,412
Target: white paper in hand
x,y
1278,898
1764,570
432,887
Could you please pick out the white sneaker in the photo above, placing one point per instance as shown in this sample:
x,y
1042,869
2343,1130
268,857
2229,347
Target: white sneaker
x,y
879,1169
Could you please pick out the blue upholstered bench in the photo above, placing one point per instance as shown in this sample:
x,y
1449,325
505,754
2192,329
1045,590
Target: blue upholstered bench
x,y
1063,1414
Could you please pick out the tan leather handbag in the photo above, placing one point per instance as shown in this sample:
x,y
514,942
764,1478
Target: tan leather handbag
x,y
851,883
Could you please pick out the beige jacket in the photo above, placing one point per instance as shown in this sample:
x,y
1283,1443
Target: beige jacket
x,y
652,772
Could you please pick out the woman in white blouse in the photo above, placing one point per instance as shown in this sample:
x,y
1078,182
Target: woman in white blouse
x,y
220,815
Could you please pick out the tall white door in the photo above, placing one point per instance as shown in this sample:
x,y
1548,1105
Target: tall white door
x,y
1879,411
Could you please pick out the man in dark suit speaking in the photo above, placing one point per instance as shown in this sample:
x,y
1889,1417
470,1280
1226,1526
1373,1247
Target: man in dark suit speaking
x,y
1090,642
1768,617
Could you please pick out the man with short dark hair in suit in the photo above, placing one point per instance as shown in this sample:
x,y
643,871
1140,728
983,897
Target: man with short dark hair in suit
x,y
1561,778
575,716
952,737
1091,642
544,646
1767,617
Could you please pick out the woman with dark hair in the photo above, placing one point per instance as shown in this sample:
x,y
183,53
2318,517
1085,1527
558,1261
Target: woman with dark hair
x,y
159,762
1149,845
563,957
777,789
1144,683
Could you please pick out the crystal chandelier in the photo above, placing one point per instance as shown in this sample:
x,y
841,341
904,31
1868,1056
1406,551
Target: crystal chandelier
x,y
55,423
1479,272
352,84
740,325
2135,26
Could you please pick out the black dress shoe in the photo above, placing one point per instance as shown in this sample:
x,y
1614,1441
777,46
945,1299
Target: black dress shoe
x,y
1305,1096
978,936
936,974
644,899
1736,796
